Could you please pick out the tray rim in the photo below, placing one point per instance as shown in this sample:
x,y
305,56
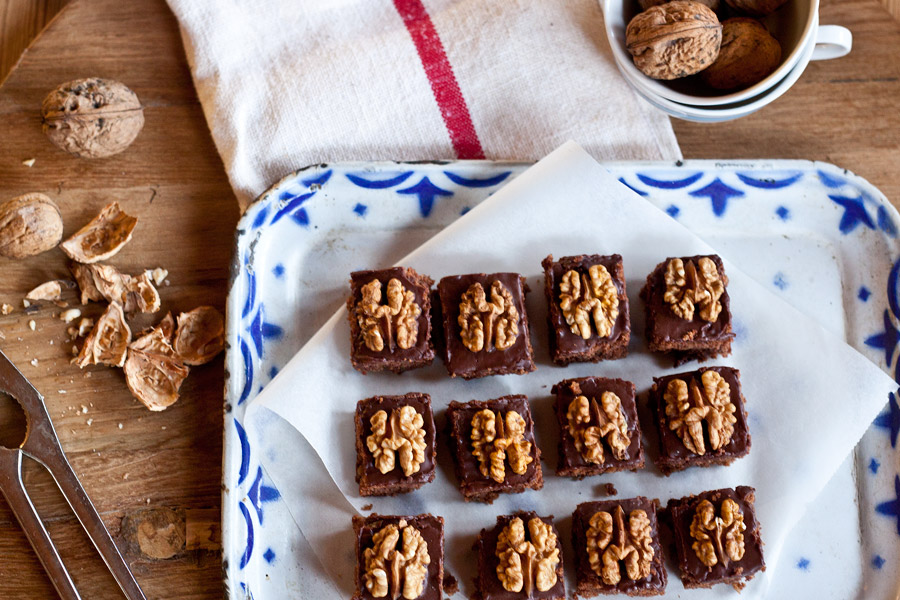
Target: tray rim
x,y
244,225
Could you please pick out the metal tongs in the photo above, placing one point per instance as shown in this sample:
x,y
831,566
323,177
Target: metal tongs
x,y
42,445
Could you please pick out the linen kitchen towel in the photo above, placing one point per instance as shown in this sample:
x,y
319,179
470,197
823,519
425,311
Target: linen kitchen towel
x,y
288,83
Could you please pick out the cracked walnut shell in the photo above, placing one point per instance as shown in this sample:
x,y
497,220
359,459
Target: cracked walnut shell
x,y
29,224
107,343
399,571
92,118
748,55
406,439
674,40
105,282
102,237
153,371
200,335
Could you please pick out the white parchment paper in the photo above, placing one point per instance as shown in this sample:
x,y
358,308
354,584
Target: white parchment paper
x,y
809,395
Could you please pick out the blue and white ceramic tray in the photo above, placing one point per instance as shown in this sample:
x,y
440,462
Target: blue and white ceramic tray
x,y
823,238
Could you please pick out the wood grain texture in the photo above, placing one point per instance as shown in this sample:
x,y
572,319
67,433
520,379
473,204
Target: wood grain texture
x,y
20,22
155,478
129,459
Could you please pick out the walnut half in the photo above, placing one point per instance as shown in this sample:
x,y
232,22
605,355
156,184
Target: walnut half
x,y
687,411
398,571
396,322
527,564
633,545
582,297
718,538
406,438
690,286
590,422
495,439
487,325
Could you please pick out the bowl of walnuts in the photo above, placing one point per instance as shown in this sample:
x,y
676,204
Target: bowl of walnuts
x,y
717,55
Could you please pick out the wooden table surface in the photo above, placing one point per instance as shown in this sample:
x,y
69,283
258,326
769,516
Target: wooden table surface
x,y
156,477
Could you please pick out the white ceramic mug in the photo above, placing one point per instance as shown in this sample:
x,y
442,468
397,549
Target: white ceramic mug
x,y
794,25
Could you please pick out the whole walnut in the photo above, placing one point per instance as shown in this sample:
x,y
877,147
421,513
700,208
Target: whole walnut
x,y
674,40
29,224
92,118
758,8
748,55
712,4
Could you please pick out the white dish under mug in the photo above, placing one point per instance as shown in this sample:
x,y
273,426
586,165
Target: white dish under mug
x,y
794,25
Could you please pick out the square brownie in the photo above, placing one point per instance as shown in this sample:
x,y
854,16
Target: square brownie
x,y
373,531
496,545
395,449
519,465
717,544
710,397
485,326
618,531
588,308
688,308
390,320
599,430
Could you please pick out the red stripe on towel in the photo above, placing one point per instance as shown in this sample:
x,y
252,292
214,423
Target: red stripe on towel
x,y
440,75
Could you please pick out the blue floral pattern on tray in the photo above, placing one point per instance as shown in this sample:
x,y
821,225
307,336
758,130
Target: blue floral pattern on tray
x,y
699,194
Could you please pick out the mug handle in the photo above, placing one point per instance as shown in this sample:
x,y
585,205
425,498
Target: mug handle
x,y
832,41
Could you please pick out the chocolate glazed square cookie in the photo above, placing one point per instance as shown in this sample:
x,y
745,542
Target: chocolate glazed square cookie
x,y
494,448
700,418
485,326
399,557
717,537
617,548
521,557
688,308
599,431
395,449
390,320
587,308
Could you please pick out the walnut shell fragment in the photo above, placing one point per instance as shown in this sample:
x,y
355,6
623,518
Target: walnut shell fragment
x,y
108,341
105,282
49,291
29,224
757,8
153,371
92,118
200,336
748,55
102,238
674,40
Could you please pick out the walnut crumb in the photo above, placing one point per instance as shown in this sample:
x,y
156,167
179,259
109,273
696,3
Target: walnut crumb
x,y
28,162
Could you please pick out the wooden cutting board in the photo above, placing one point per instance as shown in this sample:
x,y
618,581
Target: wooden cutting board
x,y
156,477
